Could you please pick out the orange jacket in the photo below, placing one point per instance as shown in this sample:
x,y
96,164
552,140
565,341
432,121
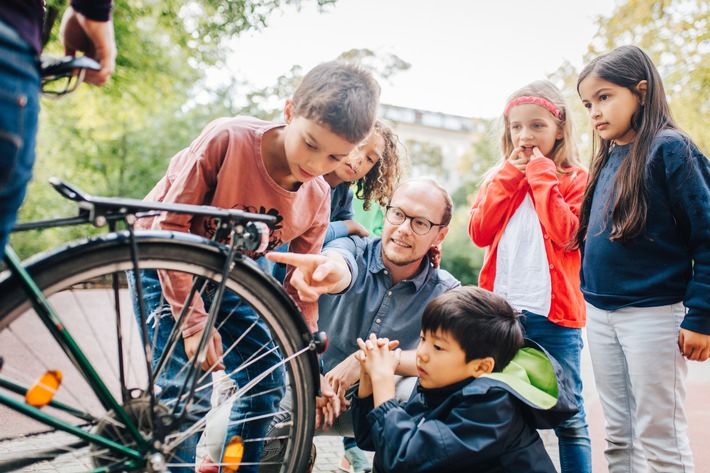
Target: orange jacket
x,y
557,198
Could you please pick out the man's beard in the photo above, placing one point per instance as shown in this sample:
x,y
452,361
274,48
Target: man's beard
x,y
398,260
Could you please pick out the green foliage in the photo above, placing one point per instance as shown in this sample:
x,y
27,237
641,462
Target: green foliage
x,y
484,154
459,255
428,158
675,33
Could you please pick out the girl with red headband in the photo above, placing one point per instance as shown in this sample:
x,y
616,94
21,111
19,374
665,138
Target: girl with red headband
x,y
525,215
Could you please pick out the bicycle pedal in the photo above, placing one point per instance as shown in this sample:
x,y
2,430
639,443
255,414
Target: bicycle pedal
x,y
42,392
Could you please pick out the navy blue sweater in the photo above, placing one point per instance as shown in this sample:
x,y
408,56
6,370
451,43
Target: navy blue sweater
x,y
670,263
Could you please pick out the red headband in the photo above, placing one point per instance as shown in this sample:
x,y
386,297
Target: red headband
x,y
537,101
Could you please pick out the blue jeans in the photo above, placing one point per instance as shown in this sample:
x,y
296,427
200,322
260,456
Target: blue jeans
x,y
19,109
565,346
250,416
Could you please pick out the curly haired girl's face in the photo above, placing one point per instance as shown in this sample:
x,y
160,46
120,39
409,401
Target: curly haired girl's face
x,y
362,159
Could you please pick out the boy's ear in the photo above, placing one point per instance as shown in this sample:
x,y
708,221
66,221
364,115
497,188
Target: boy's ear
x,y
481,366
641,88
288,111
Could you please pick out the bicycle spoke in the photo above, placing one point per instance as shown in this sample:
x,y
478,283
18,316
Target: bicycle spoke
x,y
265,354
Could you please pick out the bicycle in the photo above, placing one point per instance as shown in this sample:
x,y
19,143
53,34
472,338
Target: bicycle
x,y
91,402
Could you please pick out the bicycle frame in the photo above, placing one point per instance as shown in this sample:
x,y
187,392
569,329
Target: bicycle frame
x,y
101,211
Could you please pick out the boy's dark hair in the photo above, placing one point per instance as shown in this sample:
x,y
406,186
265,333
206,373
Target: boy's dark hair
x,y
340,95
482,323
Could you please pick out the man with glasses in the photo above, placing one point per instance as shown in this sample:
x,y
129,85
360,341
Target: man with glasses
x,y
377,285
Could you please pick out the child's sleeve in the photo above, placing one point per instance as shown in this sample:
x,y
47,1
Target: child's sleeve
x,y
491,204
688,188
335,230
193,174
361,426
557,205
344,210
473,431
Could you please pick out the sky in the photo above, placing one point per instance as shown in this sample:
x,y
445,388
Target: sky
x,y
466,56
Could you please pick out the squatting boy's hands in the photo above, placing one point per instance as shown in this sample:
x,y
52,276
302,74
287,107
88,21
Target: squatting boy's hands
x,y
214,349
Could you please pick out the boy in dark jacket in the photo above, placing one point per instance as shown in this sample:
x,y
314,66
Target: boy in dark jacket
x,y
483,391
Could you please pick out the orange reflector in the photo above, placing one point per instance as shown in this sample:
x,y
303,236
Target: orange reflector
x,y
233,453
42,392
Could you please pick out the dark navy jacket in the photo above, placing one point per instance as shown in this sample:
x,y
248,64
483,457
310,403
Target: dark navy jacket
x,y
670,262
487,424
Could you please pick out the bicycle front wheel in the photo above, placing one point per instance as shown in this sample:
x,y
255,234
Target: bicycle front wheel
x,y
161,413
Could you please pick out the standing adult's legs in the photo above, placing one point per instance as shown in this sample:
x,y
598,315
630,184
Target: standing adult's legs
x,y
19,111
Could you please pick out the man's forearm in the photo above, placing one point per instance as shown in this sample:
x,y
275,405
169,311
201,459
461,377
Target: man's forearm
x,y
407,363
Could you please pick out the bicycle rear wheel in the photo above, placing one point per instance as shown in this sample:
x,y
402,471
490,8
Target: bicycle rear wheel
x,y
79,281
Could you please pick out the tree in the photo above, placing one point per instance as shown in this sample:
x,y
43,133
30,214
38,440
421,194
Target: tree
x,y
426,158
459,255
675,34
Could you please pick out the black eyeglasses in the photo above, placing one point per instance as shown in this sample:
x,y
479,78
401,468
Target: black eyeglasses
x,y
419,225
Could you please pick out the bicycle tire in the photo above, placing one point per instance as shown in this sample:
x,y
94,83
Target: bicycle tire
x,y
66,275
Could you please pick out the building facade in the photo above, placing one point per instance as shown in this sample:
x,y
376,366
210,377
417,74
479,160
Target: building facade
x,y
437,144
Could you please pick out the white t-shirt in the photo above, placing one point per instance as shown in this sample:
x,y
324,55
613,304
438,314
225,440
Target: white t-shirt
x,y
522,269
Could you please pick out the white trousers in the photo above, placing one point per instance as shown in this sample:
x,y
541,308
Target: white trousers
x,y
640,375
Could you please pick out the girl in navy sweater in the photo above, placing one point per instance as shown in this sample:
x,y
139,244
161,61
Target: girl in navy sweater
x,y
645,238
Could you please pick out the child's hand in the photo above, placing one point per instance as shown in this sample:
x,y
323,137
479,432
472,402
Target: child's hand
x,y
365,387
315,274
214,349
327,405
355,228
377,357
536,153
380,363
518,159
693,345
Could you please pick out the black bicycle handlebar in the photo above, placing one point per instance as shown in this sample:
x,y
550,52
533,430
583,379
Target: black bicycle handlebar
x,y
56,67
